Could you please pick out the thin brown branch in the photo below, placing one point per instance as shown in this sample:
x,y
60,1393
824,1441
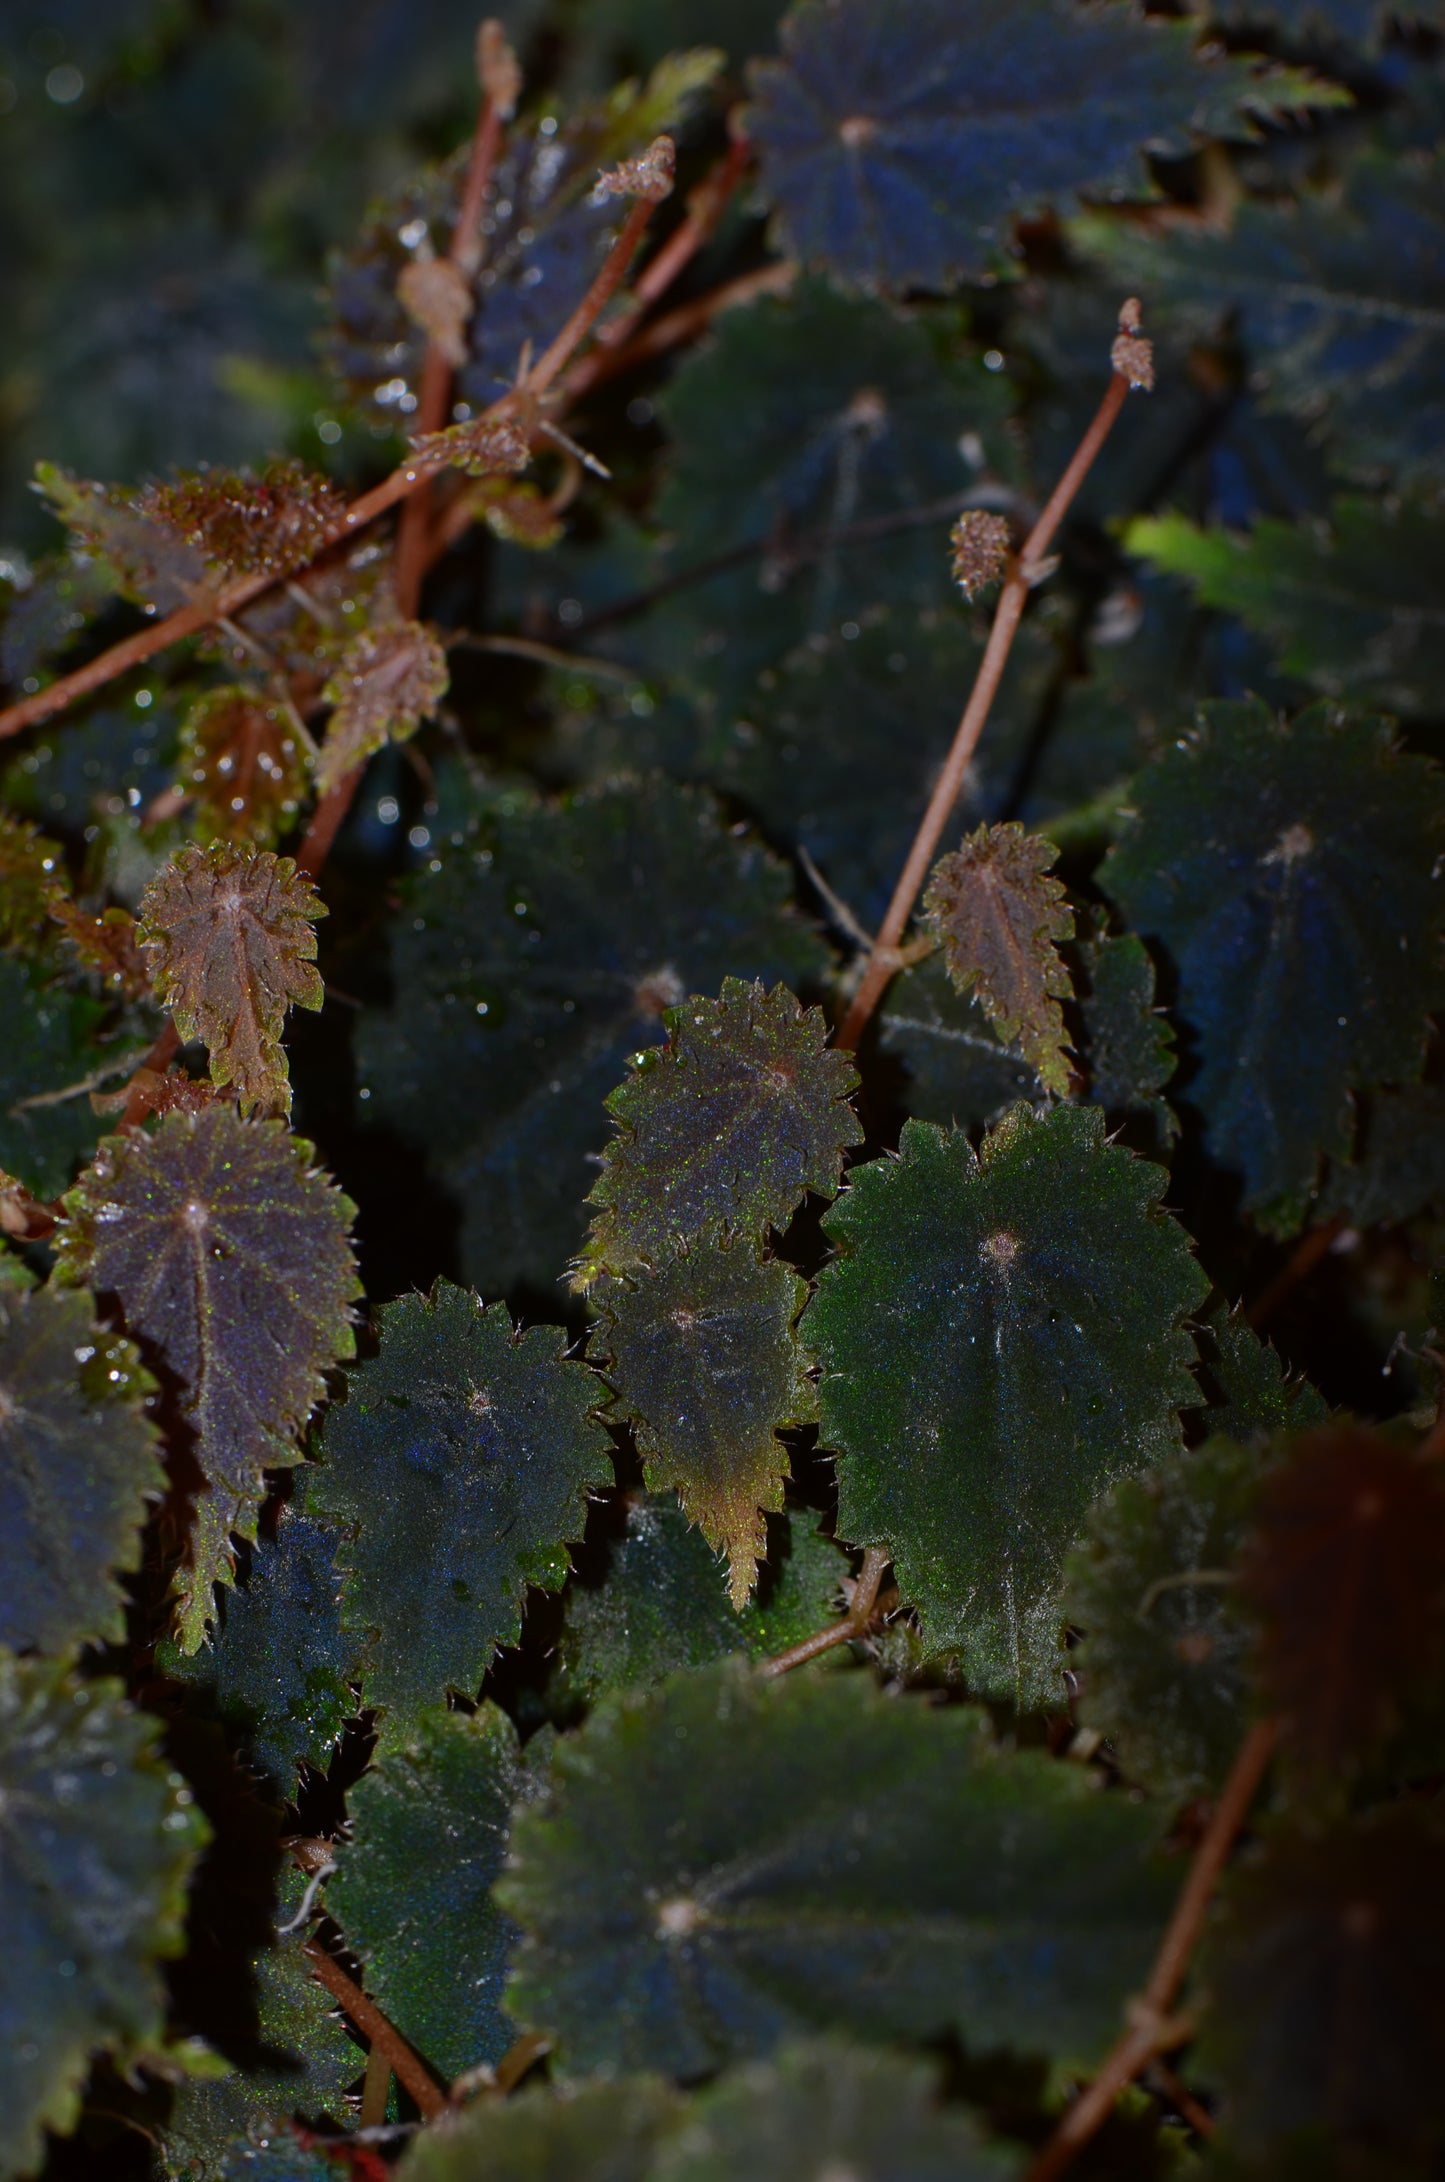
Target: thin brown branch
x,y
1151,2031
609,279
373,2025
156,1062
1181,2098
1308,1252
326,822
548,655
863,1611
1023,574
680,325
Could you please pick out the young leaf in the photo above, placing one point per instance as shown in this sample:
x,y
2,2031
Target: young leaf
x,y
1033,1297
591,2132
227,1253
229,935
247,526
727,1126
100,1841
827,2108
1324,2011
705,1364
390,678
1292,872
1350,606
1347,1577
1130,1042
957,1072
1250,1395
1163,1665
898,147
279,1666
241,762
413,1893
77,1469
807,1854
53,1056
147,561
458,1468
528,970
1000,919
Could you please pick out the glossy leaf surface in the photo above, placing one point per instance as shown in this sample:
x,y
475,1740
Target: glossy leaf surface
x,y
242,763
389,679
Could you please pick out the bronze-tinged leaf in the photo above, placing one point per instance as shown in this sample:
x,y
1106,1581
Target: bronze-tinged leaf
x,y
242,763
229,935
242,525
390,678
104,940
1347,1578
1000,918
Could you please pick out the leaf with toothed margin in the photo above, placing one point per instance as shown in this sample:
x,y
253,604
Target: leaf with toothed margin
x,y
726,1127
1249,1393
808,1854
94,1900
531,967
390,678
589,2132
457,1469
413,1892
228,1255
147,561
1000,916
1293,873
78,1470
898,146
955,1071
279,1666
229,937
242,763
703,1358
1130,1042
305,2063
1033,1296
56,1051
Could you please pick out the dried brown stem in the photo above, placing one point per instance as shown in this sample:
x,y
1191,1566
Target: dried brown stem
x,y
1151,2031
1307,1254
1023,574
373,2025
862,1611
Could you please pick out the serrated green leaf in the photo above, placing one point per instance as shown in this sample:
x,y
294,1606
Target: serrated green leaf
x,y
703,1357
727,1126
1033,1298
664,1603
1130,1042
1292,873
1351,607
457,1469
227,1251
957,1073
1000,917
78,1468
530,967
279,1665
805,1854
597,2132
827,2108
413,1893
229,938
97,1841
54,1055
1249,1392
1163,1665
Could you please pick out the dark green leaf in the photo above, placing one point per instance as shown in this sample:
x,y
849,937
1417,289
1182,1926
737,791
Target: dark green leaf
x,y
1034,1353
31,868
1292,872
1130,1043
1163,1665
279,1664
1399,1166
536,961
1249,1392
457,1468
414,1890
227,1252
54,1056
1352,607
597,2132
957,1072
77,1470
806,1853
704,1360
727,1126
96,1843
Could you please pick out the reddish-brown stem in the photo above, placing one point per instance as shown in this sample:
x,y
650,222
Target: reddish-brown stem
x,y
1308,1251
705,208
374,2026
609,279
683,324
1183,2101
326,822
156,1062
862,1609
1023,574
1150,2030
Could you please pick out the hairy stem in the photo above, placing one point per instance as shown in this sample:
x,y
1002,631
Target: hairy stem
x,y
1023,574
862,1610
374,2026
1151,2031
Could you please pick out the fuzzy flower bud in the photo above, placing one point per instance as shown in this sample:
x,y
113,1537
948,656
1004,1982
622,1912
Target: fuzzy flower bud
x,y
1132,356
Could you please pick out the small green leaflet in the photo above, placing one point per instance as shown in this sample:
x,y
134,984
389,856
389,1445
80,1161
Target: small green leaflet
x,y
705,1363
1000,918
413,1893
591,2132
728,1125
1033,1298
1249,1392
78,1468
457,1468
97,1840
1293,873
228,1251
809,1854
